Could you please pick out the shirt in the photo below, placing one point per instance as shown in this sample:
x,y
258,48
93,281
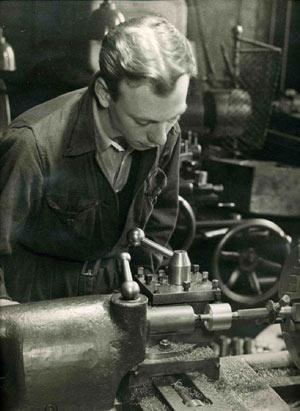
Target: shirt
x,y
113,154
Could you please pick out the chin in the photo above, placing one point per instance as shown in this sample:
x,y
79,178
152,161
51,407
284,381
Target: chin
x,y
141,147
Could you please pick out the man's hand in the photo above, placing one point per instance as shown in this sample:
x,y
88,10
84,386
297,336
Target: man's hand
x,y
4,302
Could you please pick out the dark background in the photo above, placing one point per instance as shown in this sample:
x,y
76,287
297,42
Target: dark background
x,y
53,49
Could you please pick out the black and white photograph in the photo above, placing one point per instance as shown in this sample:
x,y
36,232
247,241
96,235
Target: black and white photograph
x,y
150,205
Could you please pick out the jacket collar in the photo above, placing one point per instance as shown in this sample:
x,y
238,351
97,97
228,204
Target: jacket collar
x,y
83,135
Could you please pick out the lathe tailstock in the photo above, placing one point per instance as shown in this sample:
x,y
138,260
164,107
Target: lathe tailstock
x,y
146,347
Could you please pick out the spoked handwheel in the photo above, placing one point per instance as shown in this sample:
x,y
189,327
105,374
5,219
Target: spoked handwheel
x,y
249,259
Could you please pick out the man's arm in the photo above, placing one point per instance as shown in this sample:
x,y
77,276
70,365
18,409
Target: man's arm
x,y
20,183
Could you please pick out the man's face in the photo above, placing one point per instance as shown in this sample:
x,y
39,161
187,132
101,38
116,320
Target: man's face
x,y
143,118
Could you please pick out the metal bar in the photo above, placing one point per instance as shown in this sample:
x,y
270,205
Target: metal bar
x,y
261,50
157,247
285,44
259,43
250,314
219,223
125,258
272,21
278,359
284,135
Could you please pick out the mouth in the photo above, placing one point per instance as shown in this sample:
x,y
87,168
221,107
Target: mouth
x,y
143,146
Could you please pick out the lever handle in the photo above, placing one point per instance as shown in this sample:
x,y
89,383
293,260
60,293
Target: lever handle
x,y
129,289
136,237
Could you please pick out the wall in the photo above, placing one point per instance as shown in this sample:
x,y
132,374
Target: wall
x,y
49,38
51,46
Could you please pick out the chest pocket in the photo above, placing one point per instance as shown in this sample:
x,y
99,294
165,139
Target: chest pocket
x,y
74,215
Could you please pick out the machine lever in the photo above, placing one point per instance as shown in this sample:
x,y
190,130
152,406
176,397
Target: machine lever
x,y
136,237
129,289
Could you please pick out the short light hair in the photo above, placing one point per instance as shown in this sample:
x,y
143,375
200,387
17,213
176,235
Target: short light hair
x,y
147,48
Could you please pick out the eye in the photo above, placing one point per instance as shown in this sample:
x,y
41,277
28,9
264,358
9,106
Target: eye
x,y
142,123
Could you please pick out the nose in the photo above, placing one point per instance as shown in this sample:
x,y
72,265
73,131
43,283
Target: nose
x,y
157,134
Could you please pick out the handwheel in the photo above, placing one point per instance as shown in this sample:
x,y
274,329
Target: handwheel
x,y
185,230
248,261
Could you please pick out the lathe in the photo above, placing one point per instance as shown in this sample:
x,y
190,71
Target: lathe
x,y
145,347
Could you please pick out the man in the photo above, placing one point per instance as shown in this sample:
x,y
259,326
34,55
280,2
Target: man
x,y
78,172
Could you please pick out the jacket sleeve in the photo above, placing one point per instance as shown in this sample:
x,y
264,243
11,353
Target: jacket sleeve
x,y
20,186
162,221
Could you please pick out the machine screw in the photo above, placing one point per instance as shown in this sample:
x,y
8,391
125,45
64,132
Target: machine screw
x,y
236,216
164,344
140,272
205,276
195,268
201,177
186,285
215,284
284,301
161,276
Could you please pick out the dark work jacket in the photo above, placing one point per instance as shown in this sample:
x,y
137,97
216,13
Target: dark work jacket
x,y
58,211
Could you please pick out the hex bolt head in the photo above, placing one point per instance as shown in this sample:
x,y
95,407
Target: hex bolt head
x,y
186,285
214,284
164,344
195,268
284,300
205,276
140,272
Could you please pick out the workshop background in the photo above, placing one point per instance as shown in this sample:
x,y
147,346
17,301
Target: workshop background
x,y
56,44
239,177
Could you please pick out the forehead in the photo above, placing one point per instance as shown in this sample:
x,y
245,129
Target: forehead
x,y
139,101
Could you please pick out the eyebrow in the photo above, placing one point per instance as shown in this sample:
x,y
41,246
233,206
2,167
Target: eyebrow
x,y
147,120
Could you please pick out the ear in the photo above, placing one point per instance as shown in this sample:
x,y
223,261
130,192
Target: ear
x,y
102,92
